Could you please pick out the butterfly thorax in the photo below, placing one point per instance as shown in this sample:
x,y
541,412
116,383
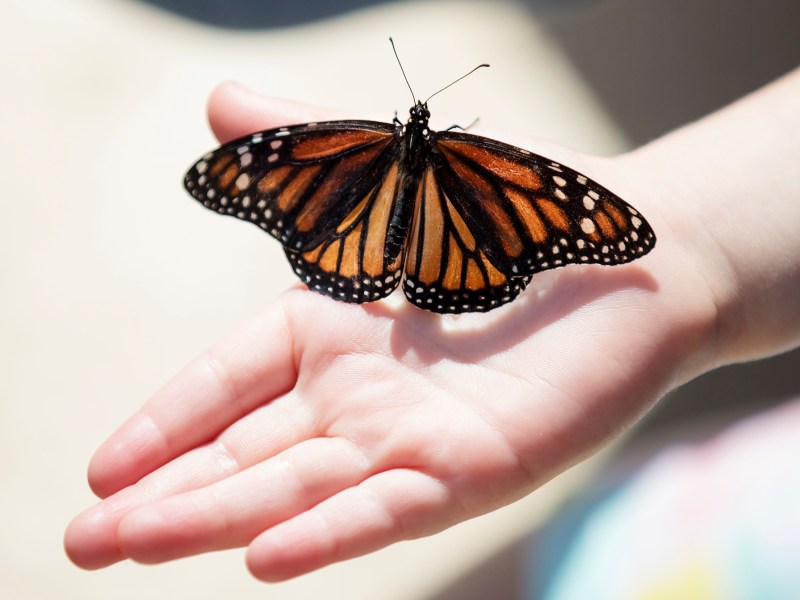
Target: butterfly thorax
x,y
415,135
415,148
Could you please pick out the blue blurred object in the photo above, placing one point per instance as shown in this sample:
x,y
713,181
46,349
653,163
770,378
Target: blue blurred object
x,y
260,14
718,520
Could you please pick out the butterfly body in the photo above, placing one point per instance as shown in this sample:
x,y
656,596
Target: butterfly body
x,y
413,138
463,221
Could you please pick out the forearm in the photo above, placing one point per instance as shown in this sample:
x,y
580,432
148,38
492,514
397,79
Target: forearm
x,y
729,185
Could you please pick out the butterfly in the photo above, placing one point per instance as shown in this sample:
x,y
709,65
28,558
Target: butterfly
x,y
461,222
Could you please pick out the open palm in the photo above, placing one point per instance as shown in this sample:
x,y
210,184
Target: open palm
x,y
322,431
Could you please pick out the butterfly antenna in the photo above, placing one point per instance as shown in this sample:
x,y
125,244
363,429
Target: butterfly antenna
x,y
391,41
456,81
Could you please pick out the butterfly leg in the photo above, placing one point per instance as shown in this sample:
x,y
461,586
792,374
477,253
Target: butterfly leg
x,y
397,121
463,128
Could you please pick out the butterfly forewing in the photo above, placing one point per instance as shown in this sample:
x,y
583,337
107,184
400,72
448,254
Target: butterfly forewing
x,y
296,182
532,214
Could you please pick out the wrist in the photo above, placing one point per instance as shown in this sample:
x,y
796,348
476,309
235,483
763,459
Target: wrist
x,y
693,279
725,197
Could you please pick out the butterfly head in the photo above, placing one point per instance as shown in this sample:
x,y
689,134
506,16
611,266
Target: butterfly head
x,y
419,114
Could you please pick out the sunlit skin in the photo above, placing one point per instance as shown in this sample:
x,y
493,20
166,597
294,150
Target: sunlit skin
x,y
322,431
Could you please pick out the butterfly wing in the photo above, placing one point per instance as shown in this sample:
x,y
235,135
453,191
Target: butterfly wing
x,y
325,190
532,213
447,270
491,215
351,264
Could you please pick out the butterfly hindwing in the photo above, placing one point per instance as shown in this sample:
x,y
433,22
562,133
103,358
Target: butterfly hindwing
x,y
447,271
351,264
531,214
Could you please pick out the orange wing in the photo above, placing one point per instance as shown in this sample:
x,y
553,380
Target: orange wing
x,y
447,270
490,215
350,265
529,213
325,190
297,183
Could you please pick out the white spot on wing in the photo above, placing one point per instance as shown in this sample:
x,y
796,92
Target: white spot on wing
x,y
243,181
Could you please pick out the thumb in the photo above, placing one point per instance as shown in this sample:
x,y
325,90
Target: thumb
x,y
234,111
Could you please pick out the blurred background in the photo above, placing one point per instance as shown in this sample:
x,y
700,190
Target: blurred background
x,y
112,278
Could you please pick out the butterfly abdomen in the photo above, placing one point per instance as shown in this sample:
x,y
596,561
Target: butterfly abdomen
x,y
400,222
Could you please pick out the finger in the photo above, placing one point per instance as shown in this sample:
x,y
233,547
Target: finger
x,y
386,508
230,513
252,366
91,540
234,111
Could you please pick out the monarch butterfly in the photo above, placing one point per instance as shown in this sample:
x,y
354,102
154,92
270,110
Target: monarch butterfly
x,y
463,221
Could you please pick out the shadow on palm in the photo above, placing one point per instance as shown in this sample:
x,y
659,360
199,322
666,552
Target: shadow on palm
x,y
470,338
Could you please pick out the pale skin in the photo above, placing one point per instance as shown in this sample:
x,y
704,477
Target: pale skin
x,y
322,431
